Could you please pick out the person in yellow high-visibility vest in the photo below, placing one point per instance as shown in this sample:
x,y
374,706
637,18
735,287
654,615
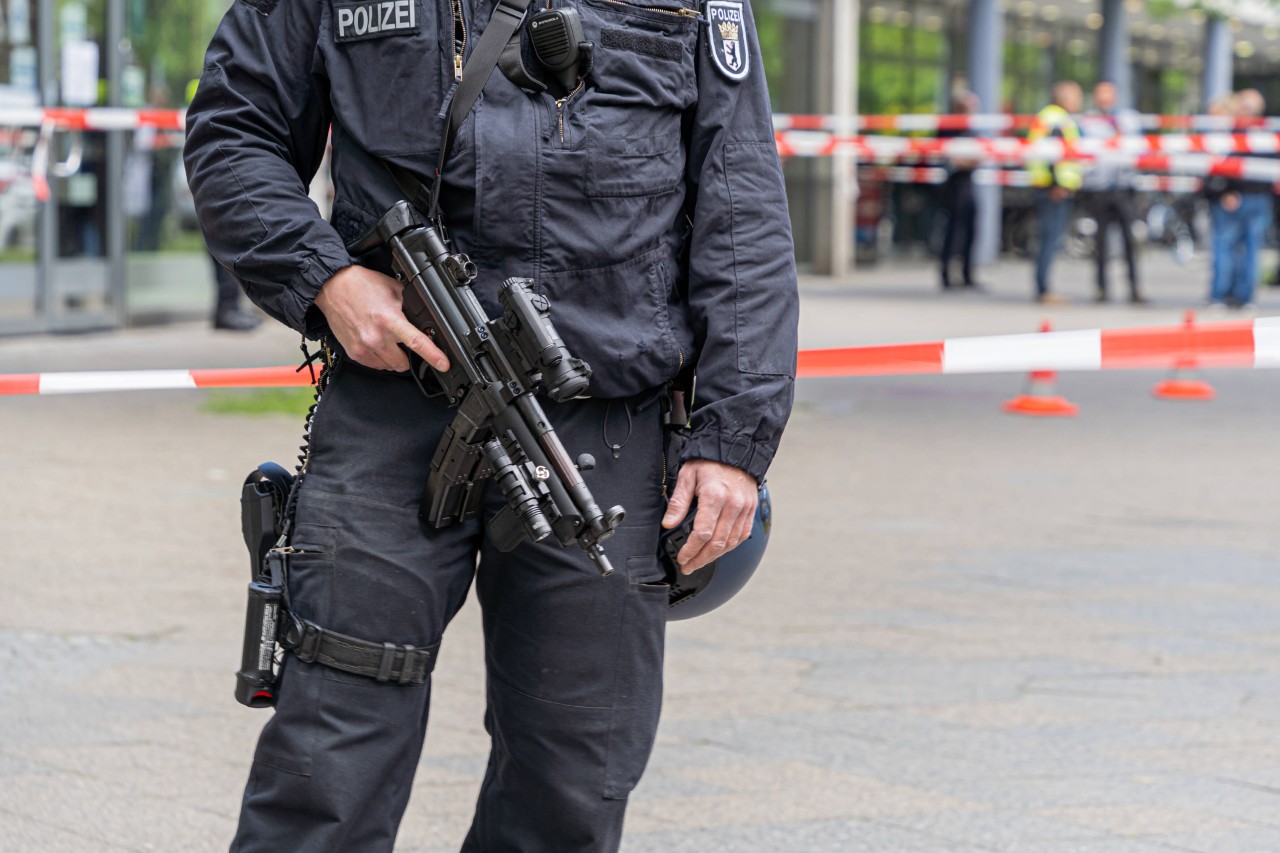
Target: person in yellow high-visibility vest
x,y
1056,183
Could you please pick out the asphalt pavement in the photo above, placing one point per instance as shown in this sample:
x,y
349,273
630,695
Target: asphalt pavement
x,y
971,632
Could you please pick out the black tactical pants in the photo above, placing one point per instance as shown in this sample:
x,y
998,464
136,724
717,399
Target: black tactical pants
x,y
574,661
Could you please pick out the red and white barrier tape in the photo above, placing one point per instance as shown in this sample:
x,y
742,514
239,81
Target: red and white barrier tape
x,y
1000,123
1121,150
1254,343
1015,151
820,136
1014,178
122,118
17,384
94,118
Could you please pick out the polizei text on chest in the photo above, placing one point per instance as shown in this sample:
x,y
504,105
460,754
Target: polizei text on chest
x,y
376,18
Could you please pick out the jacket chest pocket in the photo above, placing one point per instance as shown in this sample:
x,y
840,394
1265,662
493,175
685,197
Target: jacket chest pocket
x,y
643,79
386,70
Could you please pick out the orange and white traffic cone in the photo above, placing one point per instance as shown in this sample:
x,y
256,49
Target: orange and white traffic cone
x,y
1040,399
1183,383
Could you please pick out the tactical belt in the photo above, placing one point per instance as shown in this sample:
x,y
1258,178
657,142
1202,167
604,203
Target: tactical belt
x,y
379,661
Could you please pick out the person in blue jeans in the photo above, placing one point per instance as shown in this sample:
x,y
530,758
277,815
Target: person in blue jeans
x,y
1241,213
1240,219
1226,221
1054,207
1256,212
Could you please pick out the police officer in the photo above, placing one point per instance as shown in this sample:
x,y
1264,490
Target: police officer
x,y
647,203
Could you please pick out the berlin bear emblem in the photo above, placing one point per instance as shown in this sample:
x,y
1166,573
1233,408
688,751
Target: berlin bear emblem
x,y
727,23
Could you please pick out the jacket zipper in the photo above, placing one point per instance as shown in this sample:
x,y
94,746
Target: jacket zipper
x,y
664,467
560,108
459,39
680,11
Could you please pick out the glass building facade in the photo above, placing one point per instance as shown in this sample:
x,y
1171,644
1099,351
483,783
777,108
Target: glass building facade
x,y
912,54
115,241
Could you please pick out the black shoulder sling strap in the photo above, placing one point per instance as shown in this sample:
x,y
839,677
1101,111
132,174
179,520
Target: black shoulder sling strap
x,y
505,21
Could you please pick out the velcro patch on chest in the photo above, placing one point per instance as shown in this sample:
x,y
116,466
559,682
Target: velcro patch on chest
x,y
374,19
658,48
727,38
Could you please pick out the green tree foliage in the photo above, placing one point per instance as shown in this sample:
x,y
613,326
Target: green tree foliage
x,y
901,69
169,39
770,29
1258,12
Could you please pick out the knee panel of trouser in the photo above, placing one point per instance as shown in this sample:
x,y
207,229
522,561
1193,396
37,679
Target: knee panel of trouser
x,y
576,674
554,628
335,759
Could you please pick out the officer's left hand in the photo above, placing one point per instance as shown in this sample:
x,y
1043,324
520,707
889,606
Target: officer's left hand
x,y
727,499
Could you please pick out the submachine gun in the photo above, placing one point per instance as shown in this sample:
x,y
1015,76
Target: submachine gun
x,y
496,367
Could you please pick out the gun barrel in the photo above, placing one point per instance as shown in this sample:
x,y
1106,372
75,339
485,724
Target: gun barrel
x,y
597,555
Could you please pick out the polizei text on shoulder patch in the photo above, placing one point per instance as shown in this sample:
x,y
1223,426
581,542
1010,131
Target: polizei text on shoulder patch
x,y
727,38
374,19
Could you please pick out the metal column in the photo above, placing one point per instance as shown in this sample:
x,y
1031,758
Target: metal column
x,y
47,239
1217,80
1113,51
986,78
844,105
115,236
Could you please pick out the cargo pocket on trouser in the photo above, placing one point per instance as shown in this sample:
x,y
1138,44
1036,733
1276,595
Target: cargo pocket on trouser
x,y
288,740
637,698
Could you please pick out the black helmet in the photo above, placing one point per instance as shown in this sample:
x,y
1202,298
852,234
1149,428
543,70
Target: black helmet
x,y
717,582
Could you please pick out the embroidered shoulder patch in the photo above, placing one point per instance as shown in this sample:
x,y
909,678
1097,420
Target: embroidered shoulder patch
x,y
727,38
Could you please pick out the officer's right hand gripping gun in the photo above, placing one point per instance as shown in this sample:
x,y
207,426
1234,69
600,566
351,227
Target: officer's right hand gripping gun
x,y
495,369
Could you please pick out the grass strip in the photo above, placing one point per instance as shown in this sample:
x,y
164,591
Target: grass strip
x,y
260,401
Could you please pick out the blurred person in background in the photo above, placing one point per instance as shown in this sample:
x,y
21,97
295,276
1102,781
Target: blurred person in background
x,y
148,182
957,198
1240,212
1056,183
1223,106
1107,192
228,313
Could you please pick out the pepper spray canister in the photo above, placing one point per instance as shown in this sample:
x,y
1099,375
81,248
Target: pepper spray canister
x,y
256,680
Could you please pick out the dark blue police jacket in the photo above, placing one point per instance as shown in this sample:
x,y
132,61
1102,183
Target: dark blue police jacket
x,y
649,205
